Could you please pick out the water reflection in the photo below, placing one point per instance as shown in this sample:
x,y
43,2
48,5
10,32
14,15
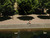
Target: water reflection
x,y
25,34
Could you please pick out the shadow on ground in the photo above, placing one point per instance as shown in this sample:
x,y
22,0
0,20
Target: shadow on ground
x,y
25,18
4,18
44,17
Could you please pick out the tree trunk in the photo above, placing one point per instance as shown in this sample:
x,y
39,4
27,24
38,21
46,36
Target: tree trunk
x,y
45,10
49,14
42,10
0,14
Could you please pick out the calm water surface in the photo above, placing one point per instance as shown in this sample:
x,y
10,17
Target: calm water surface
x,y
25,34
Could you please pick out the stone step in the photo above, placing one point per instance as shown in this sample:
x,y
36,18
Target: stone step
x,y
24,26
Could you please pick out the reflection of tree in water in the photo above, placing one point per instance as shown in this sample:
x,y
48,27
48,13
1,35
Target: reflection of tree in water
x,y
24,34
6,35
43,36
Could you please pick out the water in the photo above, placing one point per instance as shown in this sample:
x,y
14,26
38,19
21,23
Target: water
x,y
26,34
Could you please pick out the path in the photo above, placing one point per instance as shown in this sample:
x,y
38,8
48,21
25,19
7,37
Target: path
x,y
17,23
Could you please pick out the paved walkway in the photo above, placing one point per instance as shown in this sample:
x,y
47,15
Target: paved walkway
x,y
16,23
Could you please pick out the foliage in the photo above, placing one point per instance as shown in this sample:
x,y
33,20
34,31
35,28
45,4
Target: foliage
x,y
44,3
27,6
6,7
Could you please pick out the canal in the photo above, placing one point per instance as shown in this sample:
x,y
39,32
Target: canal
x,y
25,34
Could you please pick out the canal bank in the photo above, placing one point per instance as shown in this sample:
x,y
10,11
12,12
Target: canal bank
x,y
29,30
25,27
21,22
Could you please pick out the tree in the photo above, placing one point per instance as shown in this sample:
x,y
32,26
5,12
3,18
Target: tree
x,y
27,6
48,7
1,6
48,11
7,7
44,4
